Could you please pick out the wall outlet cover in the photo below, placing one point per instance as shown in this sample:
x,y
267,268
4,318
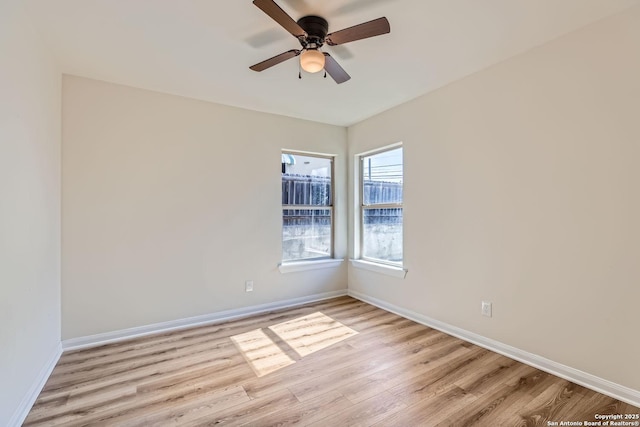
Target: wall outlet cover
x,y
486,308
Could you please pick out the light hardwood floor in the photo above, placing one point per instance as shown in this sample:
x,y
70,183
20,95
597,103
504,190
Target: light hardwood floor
x,y
339,362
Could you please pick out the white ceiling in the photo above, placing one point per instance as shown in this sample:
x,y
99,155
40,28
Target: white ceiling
x,y
203,48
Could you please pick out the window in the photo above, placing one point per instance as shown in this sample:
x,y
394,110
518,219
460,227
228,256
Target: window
x,y
307,207
381,206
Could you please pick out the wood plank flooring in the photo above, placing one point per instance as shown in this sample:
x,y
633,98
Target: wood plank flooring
x,y
339,362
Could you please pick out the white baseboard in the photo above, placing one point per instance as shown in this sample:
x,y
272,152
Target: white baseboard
x,y
590,381
174,325
32,394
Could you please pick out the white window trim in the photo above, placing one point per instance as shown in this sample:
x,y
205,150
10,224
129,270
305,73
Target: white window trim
x,y
389,270
296,266
285,265
384,267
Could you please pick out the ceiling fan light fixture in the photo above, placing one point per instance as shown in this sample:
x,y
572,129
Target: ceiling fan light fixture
x,y
312,60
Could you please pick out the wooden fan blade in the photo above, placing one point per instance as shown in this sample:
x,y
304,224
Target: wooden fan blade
x,y
334,69
280,16
261,66
358,32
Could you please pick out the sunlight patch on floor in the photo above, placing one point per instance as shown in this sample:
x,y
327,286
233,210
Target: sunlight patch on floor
x,y
270,349
261,352
308,334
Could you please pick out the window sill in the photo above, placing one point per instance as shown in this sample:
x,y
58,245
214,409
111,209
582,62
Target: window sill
x,y
389,270
292,267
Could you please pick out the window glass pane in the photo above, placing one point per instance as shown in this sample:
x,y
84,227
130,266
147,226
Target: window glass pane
x,y
382,175
306,181
306,233
382,234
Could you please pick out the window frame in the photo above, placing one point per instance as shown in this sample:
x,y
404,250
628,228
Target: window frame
x,y
330,207
362,207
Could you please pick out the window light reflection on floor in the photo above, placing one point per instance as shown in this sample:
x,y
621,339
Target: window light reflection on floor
x,y
308,334
270,349
261,352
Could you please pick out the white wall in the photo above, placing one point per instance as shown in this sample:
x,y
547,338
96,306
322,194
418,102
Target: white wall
x,y
170,204
522,188
29,210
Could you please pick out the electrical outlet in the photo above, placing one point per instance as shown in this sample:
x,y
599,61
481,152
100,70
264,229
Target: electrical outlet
x,y
486,308
248,286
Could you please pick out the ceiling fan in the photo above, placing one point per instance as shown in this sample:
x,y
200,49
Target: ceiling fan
x,y
311,31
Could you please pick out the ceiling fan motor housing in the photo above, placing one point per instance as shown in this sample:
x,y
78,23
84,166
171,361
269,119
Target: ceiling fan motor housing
x,y
316,28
